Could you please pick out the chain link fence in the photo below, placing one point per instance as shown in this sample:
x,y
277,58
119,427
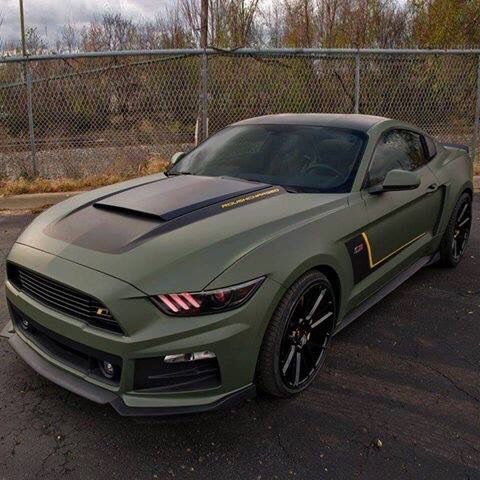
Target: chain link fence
x,y
101,113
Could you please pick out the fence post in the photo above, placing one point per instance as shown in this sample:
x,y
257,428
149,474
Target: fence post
x,y
31,126
204,96
204,69
476,124
357,82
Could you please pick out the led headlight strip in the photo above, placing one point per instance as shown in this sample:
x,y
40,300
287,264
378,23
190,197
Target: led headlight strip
x,y
206,302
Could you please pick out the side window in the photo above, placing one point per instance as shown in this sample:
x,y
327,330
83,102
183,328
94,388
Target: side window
x,y
398,149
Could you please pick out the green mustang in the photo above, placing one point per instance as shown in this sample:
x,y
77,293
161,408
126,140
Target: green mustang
x,y
187,291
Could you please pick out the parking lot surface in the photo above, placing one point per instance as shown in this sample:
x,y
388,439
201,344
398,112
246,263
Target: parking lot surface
x,y
399,397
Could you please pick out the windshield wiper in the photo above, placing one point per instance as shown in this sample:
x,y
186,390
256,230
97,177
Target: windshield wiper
x,y
174,174
242,179
290,189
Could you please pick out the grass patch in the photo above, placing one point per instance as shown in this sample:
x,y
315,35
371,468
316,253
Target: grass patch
x,y
44,185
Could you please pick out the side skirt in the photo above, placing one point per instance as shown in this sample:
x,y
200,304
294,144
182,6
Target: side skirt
x,y
384,291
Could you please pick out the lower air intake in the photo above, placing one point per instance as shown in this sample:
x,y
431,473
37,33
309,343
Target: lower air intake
x,y
156,375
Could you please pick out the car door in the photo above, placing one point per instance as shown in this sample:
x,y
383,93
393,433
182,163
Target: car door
x,y
401,223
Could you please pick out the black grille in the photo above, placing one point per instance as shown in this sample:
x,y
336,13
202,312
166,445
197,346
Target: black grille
x,y
82,358
59,297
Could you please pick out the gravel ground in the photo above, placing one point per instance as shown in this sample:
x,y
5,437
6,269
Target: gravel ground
x,y
399,398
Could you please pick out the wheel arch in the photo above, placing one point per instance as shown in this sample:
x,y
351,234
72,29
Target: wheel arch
x,y
468,190
467,187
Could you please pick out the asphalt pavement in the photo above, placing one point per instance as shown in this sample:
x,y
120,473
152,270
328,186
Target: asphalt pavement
x,y
399,397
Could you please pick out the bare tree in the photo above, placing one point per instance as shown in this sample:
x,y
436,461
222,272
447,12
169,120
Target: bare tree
x,y
69,37
111,31
2,41
273,25
35,43
231,23
191,13
299,23
173,29
278,23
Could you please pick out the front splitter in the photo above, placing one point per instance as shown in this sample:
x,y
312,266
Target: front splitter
x,y
102,396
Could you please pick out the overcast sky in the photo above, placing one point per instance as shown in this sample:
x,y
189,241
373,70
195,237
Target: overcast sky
x,y
49,15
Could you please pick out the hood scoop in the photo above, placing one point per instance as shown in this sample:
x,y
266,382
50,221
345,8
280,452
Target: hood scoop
x,y
175,196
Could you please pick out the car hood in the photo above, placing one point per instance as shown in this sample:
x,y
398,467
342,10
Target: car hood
x,y
167,234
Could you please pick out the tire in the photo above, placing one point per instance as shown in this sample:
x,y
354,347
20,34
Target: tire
x,y
302,323
455,238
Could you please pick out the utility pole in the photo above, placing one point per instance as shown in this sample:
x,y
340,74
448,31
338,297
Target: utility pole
x,y
27,78
204,87
22,28
204,24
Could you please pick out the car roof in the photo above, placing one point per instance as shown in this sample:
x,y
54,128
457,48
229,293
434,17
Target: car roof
x,y
339,120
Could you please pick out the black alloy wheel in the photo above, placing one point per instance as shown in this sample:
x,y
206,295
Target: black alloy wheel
x,y
306,337
463,224
296,340
456,235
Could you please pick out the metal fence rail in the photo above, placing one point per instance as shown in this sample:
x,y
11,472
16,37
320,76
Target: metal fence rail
x,y
102,112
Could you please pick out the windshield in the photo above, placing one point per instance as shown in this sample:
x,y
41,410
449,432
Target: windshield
x,y
302,158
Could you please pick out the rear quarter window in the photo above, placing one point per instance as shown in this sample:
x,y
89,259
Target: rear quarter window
x,y
414,149
430,148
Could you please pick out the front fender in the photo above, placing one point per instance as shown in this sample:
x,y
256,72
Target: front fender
x,y
284,259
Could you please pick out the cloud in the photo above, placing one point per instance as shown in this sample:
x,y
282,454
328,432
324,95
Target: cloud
x,y
50,15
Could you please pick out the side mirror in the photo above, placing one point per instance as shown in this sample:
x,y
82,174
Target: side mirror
x,y
176,157
396,181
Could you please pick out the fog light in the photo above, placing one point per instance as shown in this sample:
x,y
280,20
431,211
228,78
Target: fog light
x,y
25,324
108,369
188,357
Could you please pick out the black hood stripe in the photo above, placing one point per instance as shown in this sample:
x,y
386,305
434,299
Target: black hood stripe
x,y
179,195
117,230
207,212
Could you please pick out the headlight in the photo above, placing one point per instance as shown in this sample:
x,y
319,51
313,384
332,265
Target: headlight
x,y
210,301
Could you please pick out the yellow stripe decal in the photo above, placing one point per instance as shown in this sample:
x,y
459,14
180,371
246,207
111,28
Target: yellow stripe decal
x,y
369,249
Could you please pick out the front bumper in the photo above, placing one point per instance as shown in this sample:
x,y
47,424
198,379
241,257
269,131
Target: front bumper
x,y
235,337
100,395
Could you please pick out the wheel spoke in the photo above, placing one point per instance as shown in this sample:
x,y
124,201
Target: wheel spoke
x,y
298,358
321,320
463,211
455,248
462,229
289,359
316,304
303,344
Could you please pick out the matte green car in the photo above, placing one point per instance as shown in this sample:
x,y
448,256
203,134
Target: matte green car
x,y
230,273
